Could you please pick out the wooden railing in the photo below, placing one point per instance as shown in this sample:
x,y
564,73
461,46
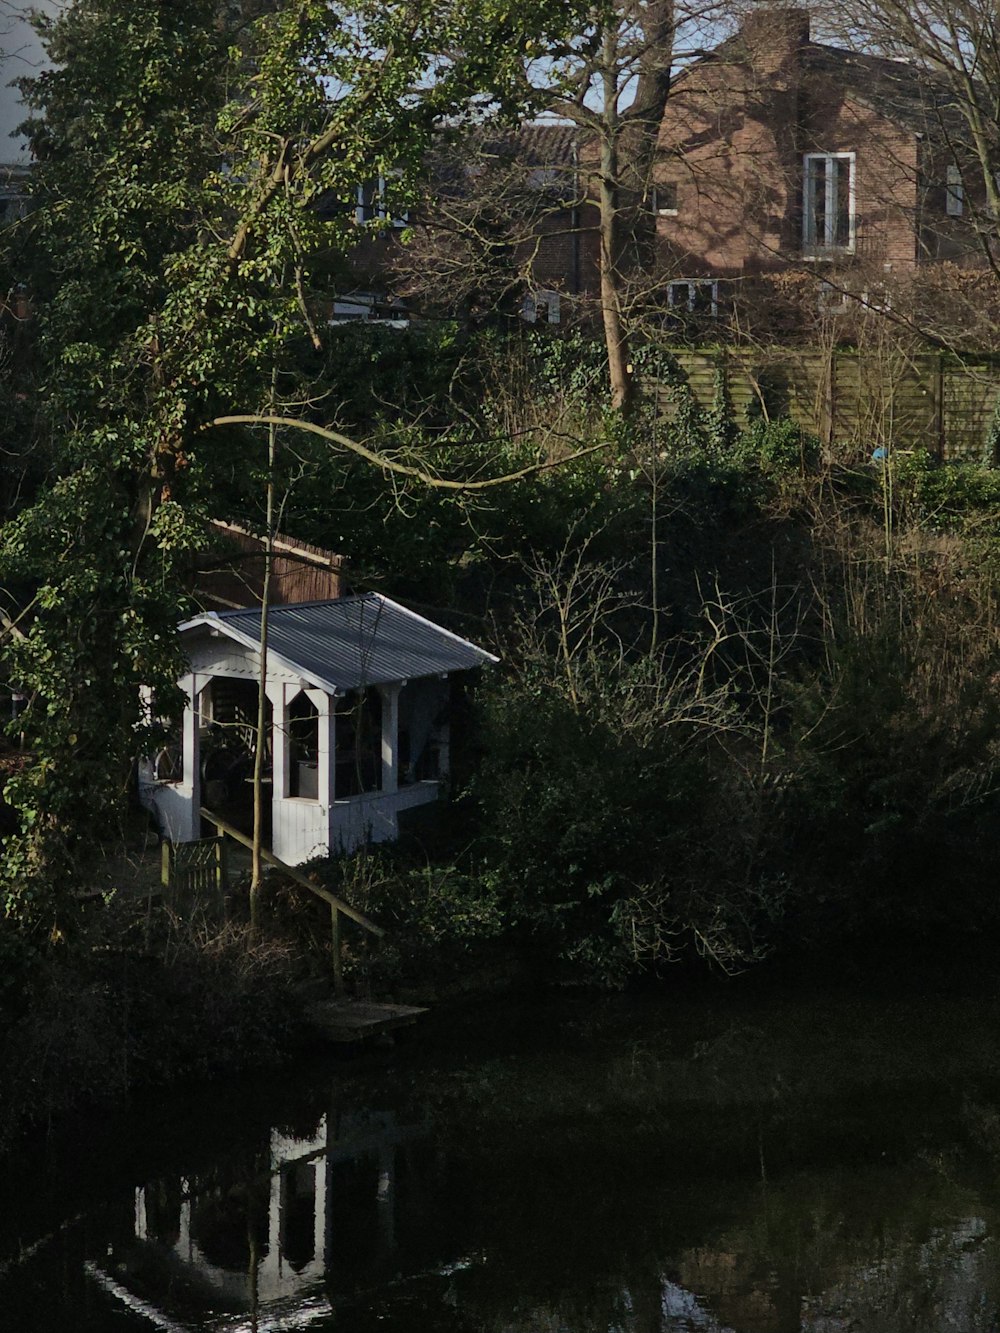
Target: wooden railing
x,y
195,870
337,905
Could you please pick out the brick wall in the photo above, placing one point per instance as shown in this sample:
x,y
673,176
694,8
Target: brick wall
x,y
732,146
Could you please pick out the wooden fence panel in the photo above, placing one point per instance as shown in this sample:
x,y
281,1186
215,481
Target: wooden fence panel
x,y
968,405
854,401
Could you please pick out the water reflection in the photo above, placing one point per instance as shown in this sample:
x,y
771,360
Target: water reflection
x,y
290,1229
360,1218
544,1194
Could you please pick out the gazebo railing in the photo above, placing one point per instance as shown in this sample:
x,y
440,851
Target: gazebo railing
x,y
337,905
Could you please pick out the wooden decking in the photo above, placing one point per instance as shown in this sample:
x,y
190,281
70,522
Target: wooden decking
x,y
350,1021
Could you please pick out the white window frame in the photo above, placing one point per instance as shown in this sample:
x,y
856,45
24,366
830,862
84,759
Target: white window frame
x,y
831,300
877,299
664,211
813,245
364,308
377,206
536,302
13,205
689,301
954,191
544,178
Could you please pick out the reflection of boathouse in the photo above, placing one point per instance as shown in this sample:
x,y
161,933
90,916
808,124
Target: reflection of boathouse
x,y
358,708
316,1219
361,1216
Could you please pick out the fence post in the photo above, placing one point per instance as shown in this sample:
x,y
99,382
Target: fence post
x,y
828,401
166,848
221,869
939,408
338,962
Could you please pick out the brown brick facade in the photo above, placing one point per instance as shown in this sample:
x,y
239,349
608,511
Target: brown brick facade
x,y
744,128
778,158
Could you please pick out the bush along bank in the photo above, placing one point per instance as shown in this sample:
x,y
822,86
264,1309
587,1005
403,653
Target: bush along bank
x,y
746,710
131,1003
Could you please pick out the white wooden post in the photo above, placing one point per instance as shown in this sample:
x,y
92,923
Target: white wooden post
x,y
319,1210
271,1265
390,737
188,822
326,751
279,694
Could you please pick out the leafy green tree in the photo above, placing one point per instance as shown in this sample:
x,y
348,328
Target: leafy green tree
x,y
183,150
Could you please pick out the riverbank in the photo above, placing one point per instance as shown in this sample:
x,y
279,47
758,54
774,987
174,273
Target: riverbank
x,y
137,1009
128,1008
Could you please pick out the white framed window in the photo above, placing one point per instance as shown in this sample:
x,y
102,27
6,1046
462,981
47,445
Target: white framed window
x,y
877,299
13,206
664,199
371,204
954,192
545,178
541,307
828,203
697,296
832,300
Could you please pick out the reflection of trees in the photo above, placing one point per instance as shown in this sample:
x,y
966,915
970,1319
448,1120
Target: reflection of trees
x,y
853,1250
949,1280
657,1248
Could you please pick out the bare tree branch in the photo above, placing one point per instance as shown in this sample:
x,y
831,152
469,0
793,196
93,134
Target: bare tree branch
x,y
392,465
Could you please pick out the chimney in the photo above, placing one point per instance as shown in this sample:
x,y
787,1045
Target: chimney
x,y
773,36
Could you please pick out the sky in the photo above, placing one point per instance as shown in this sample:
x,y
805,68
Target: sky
x,y
20,54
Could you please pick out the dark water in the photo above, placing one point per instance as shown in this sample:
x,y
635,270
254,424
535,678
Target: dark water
x,y
819,1164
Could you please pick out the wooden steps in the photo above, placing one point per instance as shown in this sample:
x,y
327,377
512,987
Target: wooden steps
x,y
350,1021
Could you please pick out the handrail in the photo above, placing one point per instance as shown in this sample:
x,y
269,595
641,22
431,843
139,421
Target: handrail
x,y
296,875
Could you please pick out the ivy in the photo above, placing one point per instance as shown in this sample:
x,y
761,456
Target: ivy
x,y
182,151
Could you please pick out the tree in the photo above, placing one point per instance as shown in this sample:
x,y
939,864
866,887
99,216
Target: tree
x,y
182,151
954,47
498,202
614,81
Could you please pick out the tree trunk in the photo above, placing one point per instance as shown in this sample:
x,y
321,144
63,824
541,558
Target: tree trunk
x,y
615,333
257,860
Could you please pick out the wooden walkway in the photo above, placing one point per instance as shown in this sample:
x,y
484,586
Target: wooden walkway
x,y
349,1021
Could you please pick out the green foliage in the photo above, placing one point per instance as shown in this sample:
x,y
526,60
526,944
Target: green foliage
x,y
780,448
379,374
442,917
946,495
117,1014
452,404
723,431
599,829
991,448
182,150
571,365
895,779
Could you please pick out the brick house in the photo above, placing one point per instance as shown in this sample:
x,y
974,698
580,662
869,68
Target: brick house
x,y
779,154
793,180
504,228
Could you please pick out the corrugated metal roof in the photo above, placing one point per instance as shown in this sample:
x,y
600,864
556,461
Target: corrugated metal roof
x,y
353,641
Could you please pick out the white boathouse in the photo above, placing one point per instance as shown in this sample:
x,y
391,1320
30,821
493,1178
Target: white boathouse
x,y
358,701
